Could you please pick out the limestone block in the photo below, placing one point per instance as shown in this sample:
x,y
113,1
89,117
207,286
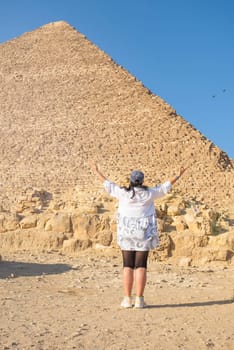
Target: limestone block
x,y
9,222
168,224
28,222
72,245
161,211
211,214
84,225
31,240
43,219
191,221
218,254
49,240
60,222
113,226
105,238
199,224
174,210
164,249
179,223
185,261
19,208
56,205
222,241
186,243
89,226
161,225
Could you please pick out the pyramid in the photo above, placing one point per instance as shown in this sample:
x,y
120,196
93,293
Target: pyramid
x,y
64,101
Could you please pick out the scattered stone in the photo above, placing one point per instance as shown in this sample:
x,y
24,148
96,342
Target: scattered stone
x,y
185,261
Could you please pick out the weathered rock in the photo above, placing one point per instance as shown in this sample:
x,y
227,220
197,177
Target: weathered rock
x,y
9,221
72,245
223,241
89,226
32,201
174,210
85,226
185,261
187,243
60,222
28,222
215,254
42,219
50,240
161,225
31,239
179,223
199,224
105,238
164,249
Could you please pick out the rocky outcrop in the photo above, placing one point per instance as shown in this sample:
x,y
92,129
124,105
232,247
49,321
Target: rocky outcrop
x,y
190,232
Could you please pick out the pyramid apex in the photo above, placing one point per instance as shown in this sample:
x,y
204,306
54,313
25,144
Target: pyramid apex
x,y
58,24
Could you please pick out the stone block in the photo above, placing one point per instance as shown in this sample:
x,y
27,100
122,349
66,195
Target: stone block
x,y
89,226
28,222
219,254
105,238
9,222
222,241
72,245
60,222
179,223
161,225
199,224
185,261
164,249
187,243
174,210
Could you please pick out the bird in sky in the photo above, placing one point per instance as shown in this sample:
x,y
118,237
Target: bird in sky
x,y
223,90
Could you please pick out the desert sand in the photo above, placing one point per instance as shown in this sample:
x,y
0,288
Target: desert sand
x,y
51,301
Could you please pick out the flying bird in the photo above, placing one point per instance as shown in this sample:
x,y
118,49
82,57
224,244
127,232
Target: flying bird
x,y
223,90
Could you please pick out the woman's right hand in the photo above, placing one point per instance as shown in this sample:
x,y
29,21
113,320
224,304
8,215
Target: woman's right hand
x,y
182,170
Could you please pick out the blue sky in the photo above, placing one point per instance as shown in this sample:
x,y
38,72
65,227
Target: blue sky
x,y
182,50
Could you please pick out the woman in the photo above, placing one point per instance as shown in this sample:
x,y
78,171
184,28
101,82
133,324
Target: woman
x,y
136,228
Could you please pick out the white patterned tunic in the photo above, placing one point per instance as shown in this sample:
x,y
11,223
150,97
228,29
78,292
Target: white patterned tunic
x,y
136,218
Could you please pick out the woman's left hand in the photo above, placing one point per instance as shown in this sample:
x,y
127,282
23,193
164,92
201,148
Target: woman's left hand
x,y
93,166
182,170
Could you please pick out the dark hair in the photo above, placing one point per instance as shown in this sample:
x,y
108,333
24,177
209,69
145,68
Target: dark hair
x,y
132,186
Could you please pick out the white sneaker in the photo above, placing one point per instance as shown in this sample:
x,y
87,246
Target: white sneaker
x,y
139,302
126,302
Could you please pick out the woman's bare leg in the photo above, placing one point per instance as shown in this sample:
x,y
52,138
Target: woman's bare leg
x,y
128,277
140,280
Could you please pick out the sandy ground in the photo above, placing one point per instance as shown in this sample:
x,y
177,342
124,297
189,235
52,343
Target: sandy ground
x,y
51,301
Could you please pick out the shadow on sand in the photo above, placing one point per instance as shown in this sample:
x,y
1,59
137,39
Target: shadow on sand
x,y
195,304
10,269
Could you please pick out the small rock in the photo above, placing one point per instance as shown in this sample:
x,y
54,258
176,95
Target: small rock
x,y
185,262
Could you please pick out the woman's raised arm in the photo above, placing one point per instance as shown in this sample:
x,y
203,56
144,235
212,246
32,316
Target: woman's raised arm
x,y
175,178
95,169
